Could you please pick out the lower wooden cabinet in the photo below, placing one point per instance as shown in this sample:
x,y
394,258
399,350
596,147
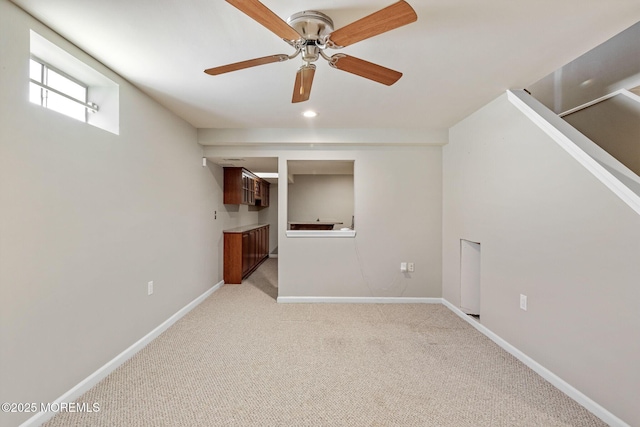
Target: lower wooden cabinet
x,y
245,248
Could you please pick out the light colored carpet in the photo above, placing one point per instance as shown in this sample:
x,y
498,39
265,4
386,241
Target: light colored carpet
x,y
241,359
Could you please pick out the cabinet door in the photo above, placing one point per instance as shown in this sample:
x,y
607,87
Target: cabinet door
x,y
246,189
246,254
261,253
265,242
254,247
265,194
258,189
232,186
243,187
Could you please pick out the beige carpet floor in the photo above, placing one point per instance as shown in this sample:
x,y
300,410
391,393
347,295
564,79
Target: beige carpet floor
x,y
241,359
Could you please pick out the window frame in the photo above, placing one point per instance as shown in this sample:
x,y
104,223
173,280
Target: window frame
x,y
44,86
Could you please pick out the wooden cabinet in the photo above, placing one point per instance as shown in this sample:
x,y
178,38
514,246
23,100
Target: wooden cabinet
x,y
245,248
242,187
264,193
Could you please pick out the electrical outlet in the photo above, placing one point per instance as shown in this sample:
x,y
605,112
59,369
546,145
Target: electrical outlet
x,y
412,267
523,302
403,267
150,288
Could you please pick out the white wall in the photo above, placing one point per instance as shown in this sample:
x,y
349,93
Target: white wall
x,y
549,230
87,218
324,197
398,211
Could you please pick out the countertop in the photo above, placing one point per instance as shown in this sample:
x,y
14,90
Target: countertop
x,y
244,228
315,222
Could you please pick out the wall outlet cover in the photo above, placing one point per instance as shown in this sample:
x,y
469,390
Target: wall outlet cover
x,y
523,302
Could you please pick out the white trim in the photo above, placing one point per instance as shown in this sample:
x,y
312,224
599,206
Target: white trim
x,y
563,134
624,92
590,103
321,233
555,380
325,137
360,300
273,255
630,95
93,379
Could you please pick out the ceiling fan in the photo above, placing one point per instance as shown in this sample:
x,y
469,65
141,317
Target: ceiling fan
x,y
311,32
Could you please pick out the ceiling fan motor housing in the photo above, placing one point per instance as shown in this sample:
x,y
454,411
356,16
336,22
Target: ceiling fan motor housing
x,y
314,27
311,24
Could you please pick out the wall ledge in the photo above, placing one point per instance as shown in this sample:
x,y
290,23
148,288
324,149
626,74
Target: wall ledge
x,y
321,233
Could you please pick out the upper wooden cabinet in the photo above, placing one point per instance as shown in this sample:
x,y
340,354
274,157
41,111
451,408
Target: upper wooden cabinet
x,y
264,192
242,187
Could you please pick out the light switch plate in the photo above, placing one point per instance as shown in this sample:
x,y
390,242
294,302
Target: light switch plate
x,y
523,302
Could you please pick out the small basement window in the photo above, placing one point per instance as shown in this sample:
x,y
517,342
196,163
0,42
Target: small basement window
x,y
64,82
55,90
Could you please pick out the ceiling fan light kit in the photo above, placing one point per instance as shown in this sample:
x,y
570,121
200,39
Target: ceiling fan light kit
x,y
311,32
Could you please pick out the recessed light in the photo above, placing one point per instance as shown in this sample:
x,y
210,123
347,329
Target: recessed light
x,y
309,113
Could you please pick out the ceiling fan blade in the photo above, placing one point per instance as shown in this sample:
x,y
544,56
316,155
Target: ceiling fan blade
x,y
263,15
304,80
365,69
246,64
387,19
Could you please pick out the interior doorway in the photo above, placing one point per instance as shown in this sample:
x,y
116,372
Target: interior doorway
x,y
253,204
470,254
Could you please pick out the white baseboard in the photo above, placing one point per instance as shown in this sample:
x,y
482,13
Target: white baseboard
x,y
360,300
555,380
273,255
93,379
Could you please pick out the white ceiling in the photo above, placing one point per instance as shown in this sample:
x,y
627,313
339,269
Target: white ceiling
x,y
458,56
